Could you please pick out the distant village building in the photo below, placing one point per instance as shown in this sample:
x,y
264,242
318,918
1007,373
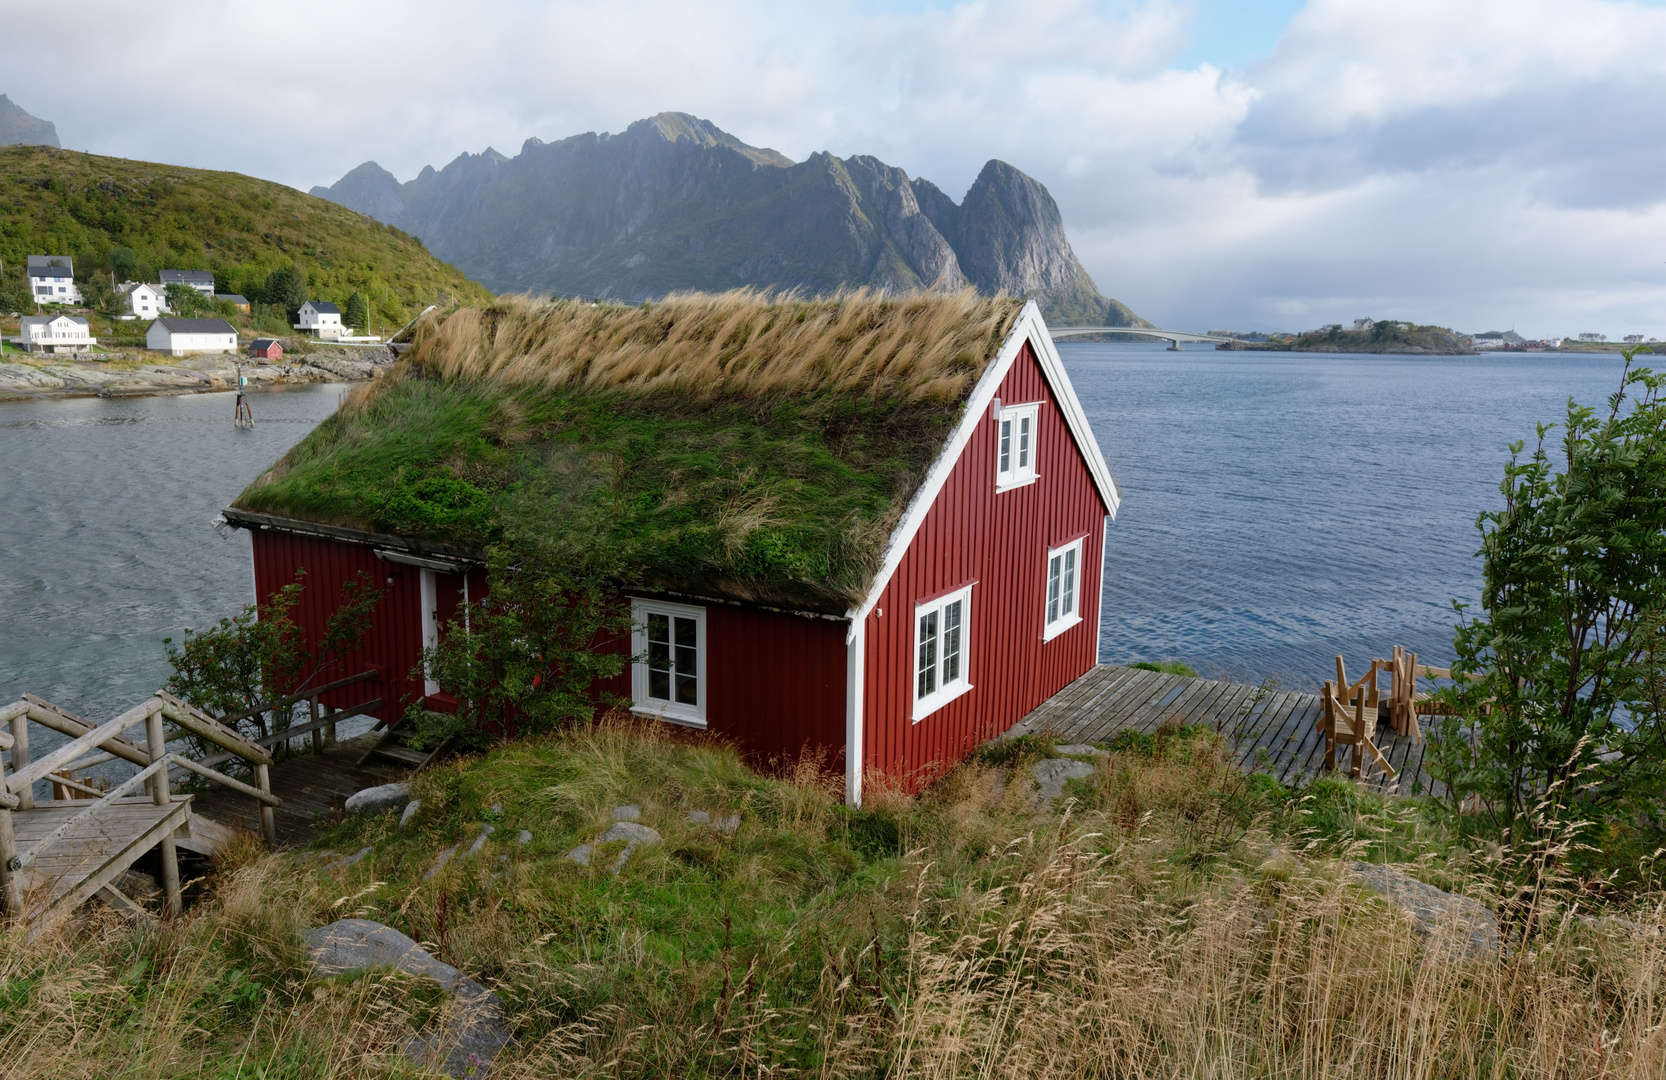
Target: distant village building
x,y
181,337
1497,339
266,349
1633,339
53,334
322,319
1363,326
1593,337
144,300
200,280
52,279
241,303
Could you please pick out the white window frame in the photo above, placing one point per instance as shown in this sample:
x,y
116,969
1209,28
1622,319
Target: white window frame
x,y
1055,620
1017,430
660,708
941,693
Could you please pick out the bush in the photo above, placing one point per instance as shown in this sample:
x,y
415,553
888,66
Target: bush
x,y
1168,667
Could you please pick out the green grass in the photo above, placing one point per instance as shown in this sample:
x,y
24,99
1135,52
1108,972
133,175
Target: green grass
x,y
786,501
1168,667
62,202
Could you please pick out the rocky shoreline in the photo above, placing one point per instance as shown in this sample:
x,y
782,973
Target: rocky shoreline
x,y
144,374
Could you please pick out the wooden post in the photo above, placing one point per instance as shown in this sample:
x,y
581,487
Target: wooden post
x,y
11,887
330,729
1330,728
312,717
160,791
20,758
268,819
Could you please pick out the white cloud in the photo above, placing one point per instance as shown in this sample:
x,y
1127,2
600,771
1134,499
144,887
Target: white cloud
x,y
1473,162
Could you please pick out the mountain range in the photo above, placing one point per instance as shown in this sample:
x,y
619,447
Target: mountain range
x,y
17,126
674,203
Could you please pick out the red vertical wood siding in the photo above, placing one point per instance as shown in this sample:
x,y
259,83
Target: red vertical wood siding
x,y
775,683
971,533
393,644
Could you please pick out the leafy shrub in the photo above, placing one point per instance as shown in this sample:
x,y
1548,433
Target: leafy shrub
x,y
1167,667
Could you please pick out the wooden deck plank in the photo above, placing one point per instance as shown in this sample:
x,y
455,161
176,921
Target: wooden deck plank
x,y
1183,705
1201,704
1111,720
310,785
1147,713
1089,704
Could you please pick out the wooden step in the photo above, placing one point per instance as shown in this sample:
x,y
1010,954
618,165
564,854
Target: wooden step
x,y
403,754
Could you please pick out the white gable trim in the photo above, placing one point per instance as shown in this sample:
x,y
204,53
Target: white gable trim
x,y
1030,327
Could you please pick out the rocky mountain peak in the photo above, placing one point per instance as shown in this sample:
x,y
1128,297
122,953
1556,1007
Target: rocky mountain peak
x,y
674,202
18,127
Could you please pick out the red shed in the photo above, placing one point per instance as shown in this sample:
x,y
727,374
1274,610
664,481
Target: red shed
x,y
976,597
266,348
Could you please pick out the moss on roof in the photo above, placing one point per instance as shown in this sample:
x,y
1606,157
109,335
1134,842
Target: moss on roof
x,y
735,445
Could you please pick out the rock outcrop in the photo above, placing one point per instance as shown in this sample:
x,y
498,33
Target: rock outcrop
x,y
18,127
674,203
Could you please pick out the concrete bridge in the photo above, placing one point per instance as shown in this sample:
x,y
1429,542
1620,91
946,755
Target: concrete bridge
x,y
1174,337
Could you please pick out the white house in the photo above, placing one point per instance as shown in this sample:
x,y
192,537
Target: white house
x,y
322,318
55,334
52,279
200,280
178,337
144,300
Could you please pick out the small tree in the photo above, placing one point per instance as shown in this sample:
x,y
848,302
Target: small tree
x,y
286,287
529,653
356,314
1564,710
187,302
257,657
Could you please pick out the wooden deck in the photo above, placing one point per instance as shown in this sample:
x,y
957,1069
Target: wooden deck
x,y
312,787
1272,731
93,852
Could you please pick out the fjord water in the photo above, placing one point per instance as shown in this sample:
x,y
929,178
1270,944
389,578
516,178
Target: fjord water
x,y
1280,508
106,545
1276,509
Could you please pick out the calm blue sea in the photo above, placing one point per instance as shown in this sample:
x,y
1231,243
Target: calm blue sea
x,y
1280,508
1276,509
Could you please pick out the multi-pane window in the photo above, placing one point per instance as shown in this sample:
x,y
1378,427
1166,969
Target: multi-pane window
x,y
1015,451
942,629
1064,576
668,673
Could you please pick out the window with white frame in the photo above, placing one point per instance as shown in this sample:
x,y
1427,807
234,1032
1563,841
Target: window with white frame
x,y
1015,445
668,676
942,650
1064,592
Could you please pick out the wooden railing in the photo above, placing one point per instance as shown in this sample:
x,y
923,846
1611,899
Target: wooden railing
x,y
321,726
108,743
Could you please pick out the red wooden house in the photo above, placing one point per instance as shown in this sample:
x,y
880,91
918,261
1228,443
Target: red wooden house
x,y
981,600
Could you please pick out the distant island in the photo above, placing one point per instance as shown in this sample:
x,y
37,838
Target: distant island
x,y
1367,336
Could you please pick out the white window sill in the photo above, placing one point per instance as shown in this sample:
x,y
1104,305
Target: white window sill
x,y
924,707
1012,484
1059,626
664,712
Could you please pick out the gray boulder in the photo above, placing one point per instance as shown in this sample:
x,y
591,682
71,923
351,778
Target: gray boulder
x,y
1053,773
632,812
374,800
1455,923
1080,750
410,812
476,1026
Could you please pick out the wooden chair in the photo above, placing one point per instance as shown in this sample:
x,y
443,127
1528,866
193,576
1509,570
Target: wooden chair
x,y
1405,702
1349,719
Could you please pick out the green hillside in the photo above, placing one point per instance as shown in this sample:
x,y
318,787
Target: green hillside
x,y
134,218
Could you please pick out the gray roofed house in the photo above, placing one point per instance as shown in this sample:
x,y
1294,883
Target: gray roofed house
x,y
54,334
52,279
178,337
324,307
200,280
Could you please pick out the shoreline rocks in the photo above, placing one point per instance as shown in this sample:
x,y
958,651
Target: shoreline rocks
x,y
149,374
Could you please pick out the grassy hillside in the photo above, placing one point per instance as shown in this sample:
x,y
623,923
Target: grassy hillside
x,y
1177,920
134,218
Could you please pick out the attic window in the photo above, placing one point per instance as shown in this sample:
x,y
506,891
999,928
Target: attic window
x,y
1064,588
668,675
942,650
1015,445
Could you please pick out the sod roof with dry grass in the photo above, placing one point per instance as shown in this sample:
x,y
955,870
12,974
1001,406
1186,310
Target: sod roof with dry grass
x,y
734,445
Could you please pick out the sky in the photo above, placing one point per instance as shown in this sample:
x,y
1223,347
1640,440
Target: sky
x,y
1250,165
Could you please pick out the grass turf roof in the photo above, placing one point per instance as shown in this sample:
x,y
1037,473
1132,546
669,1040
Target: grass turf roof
x,y
734,445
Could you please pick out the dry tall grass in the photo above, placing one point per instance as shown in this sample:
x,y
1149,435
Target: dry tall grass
x,y
923,348
1140,937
